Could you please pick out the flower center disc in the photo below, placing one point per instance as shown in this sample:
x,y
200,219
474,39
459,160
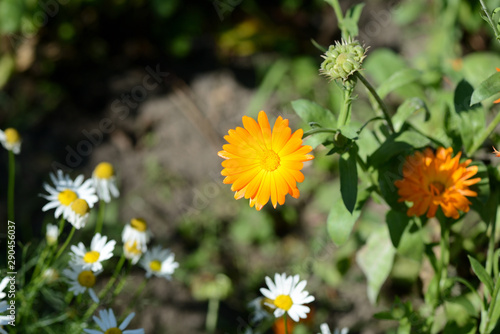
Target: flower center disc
x,y
80,207
113,330
271,161
284,302
66,197
436,188
91,257
86,278
11,135
104,170
132,248
155,265
139,224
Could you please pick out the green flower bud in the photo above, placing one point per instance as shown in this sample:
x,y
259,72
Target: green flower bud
x,y
343,59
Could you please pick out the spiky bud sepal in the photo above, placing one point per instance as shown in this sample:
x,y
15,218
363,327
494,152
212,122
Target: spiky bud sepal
x,y
343,59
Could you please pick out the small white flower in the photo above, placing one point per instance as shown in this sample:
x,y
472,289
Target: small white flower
x,y
105,181
51,234
78,213
159,262
137,231
81,280
3,285
132,251
288,296
326,330
50,275
108,324
11,140
65,191
100,250
260,310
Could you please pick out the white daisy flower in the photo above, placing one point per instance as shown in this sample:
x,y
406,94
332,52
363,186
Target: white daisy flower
x,y
4,319
65,191
77,213
105,181
137,231
3,285
51,234
288,296
11,140
81,280
108,324
100,250
132,251
326,330
159,262
260,309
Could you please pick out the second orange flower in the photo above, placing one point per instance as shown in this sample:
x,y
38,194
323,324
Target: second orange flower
x,y
263,164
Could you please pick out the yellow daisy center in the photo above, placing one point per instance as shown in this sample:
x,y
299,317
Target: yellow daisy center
x,y
80,207
283,302
91,257
66,197
113,330
12,136
270,161
155,265
132,248
86,278
104,170
139,224
436,188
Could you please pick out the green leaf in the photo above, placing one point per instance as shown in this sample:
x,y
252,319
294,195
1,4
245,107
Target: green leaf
x,y
469,118
495,314
405,235
340,221
397,223
313,113
318,46
375,260
486,89
479,65
11,12
350,22
349,178
397,80
481,274
406,109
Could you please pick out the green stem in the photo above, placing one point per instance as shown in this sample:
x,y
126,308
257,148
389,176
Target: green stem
x,y
381,103
61,227
314,131
100,217
65,243
136,296
490,20
491,245
213,311
444,244
340,17
123,280
345,111
112,280
492,303
485,134
286,325
10,193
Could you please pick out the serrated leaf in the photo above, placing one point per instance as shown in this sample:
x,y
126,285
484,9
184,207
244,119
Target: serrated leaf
x,y
406,109
397,80
486,89
375,260
311,112
349,179
481,274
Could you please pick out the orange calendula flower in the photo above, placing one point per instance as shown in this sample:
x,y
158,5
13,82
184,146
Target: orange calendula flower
x,y
498,100
431,180
262,163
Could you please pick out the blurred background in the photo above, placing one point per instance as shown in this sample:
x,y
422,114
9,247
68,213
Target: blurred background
x,y
153,86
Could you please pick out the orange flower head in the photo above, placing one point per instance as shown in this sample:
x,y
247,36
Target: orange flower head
x,y
261,163
437,180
